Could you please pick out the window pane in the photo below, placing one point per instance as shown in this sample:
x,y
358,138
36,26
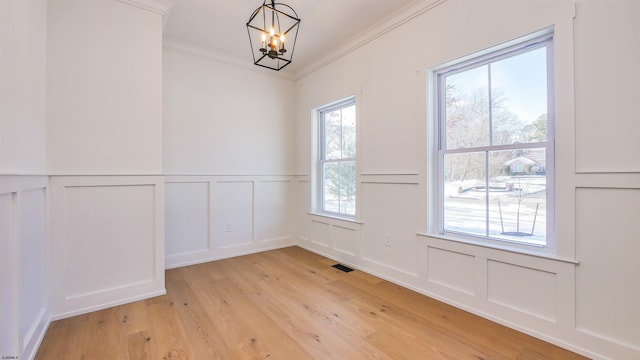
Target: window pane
x,y
348,187
339,190
332,135
467,108
519,98
517,195
465,193
349,132
331,187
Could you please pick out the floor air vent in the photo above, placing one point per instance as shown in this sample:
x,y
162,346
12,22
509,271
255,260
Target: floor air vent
x,y
342,268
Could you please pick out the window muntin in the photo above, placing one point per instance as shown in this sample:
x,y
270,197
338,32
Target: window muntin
x,y
337,158
495,142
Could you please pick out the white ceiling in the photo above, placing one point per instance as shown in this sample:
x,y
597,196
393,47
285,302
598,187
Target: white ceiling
x,y
218,27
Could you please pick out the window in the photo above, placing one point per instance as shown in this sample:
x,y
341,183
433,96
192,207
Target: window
x,y
337,158
495,146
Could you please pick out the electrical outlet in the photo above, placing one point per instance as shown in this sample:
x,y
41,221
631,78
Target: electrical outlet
x,y
387,240
228,227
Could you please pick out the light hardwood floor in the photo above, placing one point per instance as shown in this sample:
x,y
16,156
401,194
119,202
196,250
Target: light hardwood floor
x,y
286,304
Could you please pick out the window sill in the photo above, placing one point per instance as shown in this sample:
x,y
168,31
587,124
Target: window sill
x,y
335,217
533,250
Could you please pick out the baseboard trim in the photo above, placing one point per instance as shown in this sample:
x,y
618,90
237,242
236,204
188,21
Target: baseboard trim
x,y
212,256
108,304
36,334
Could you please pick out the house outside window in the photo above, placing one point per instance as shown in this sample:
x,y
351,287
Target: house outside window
x,y
495,147
337,158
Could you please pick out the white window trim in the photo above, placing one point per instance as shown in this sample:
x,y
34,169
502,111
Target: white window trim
x,y
434,191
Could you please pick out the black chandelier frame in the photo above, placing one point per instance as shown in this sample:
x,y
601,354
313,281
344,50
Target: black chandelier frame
x,y
283,25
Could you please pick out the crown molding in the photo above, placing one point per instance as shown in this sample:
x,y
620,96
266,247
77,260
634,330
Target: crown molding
x,y
396,19
209,55
157,6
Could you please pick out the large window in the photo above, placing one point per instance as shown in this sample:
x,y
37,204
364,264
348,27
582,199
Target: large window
x,y
337,158
494,176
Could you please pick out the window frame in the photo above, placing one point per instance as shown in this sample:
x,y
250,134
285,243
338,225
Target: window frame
x,y
320,160
438,151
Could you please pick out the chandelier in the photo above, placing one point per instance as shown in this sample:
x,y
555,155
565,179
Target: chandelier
x,y
273,31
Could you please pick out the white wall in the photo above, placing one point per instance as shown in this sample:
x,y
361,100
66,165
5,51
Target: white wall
x,y
104,135
23,27
24,306
104,82
224,119
583,296
228,156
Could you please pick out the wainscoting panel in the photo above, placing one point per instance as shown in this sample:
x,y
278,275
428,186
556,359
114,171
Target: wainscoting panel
x,y
33,304
214,217
232,214
8,284
187,217
344,240
524,289
24,306
272,211
607,283
321,233
303,205
107,241
451,269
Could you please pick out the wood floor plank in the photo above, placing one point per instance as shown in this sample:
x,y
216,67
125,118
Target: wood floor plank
x,y
204,337
291,314
286,304
138,347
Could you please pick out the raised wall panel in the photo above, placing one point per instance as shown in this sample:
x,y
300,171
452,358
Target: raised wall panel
x,y
273,210
8,301
607,286
106,228
186,218
232,214
107,241
451,269
320,233
606,101
344,240
24,306
32,290
303,205
524,289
